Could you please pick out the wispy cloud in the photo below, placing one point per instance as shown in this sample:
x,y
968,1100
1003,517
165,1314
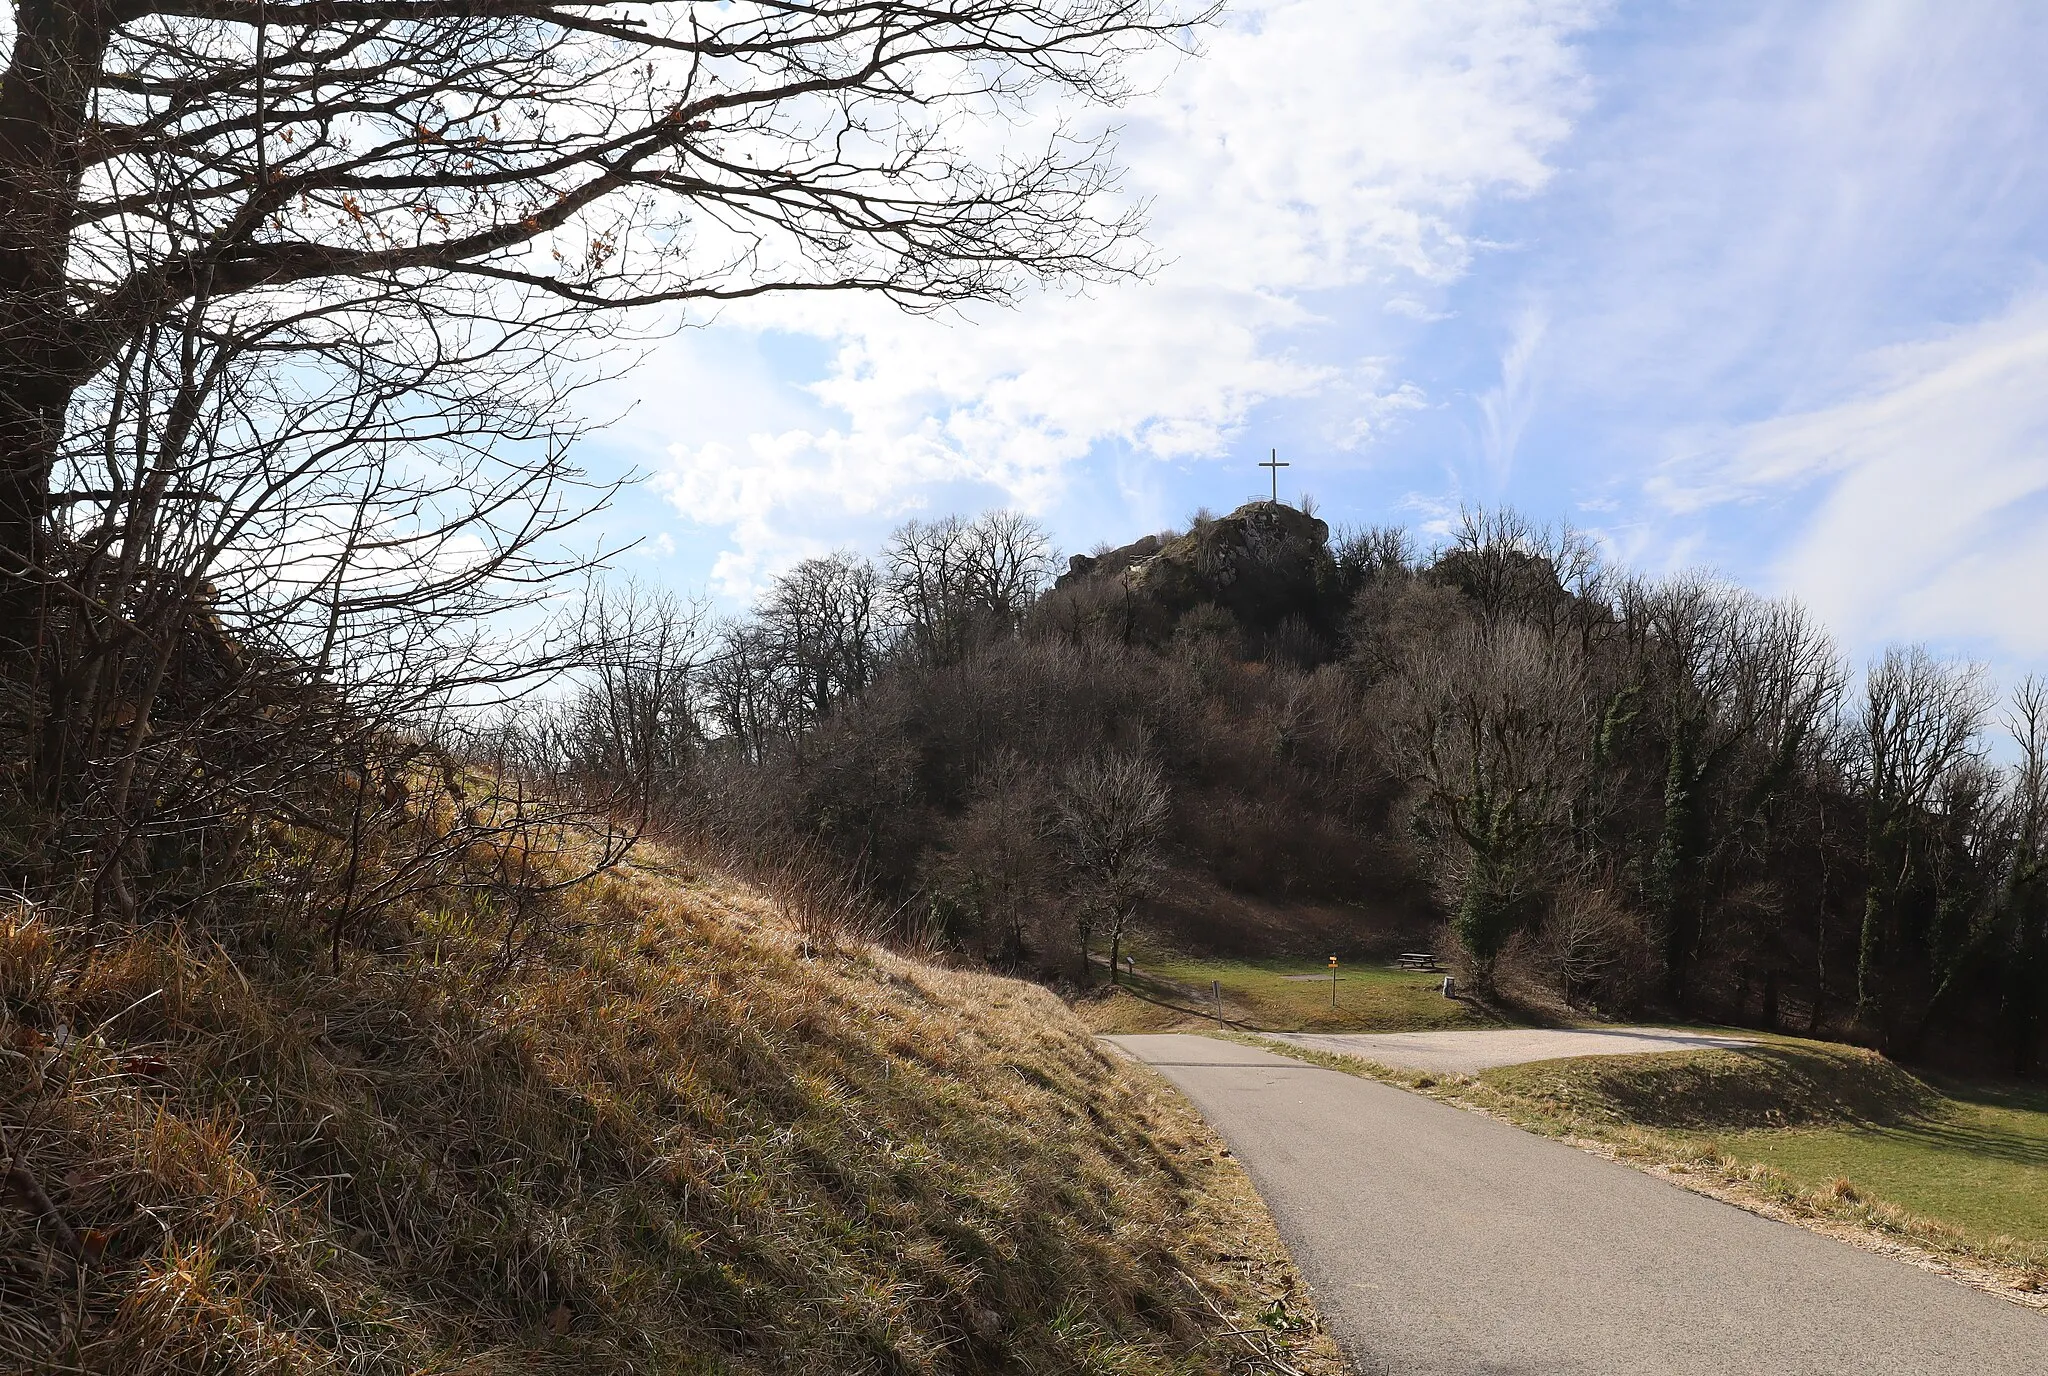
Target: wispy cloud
x,y
1321,146
1758,284
1791,266
1505,407
1929,506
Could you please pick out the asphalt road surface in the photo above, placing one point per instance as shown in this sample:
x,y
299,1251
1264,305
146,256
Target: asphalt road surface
x,y
1472,1052
1441,1241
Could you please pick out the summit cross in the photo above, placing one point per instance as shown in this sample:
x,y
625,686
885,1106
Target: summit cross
x,y
1275,464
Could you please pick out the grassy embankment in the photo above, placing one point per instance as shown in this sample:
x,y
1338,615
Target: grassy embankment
x,y
1282,996
668,1144
1815,1132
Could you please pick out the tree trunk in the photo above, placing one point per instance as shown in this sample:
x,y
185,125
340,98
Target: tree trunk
x,y
44,99
1888,858
1677,864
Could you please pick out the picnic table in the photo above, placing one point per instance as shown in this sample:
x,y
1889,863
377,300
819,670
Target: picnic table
x,y
1417,960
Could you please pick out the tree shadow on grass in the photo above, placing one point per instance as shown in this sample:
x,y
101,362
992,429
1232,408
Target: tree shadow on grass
x,y
1945,1132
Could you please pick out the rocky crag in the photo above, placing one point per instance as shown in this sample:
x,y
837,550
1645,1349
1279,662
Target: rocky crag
x,y
1264,563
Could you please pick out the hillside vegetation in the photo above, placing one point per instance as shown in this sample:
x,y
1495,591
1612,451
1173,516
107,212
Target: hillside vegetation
x,y
1589,787
660,1139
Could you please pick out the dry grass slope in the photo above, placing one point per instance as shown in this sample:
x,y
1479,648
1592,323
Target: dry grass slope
x,y
673,1144
1769,1085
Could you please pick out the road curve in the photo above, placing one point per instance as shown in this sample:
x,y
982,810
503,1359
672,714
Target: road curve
x,y
1439,1241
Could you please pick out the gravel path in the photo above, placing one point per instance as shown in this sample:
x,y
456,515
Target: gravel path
x,y
1472,1052
1444,1243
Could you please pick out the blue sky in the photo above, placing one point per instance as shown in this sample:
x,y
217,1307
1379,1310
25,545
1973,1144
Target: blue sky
x,y
1755,286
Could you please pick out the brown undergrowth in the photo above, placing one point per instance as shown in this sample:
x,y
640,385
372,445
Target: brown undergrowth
x,y
1662,1113
664,1140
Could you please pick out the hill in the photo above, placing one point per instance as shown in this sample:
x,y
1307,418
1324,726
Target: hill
x,y
936,770
1593,791
663,1139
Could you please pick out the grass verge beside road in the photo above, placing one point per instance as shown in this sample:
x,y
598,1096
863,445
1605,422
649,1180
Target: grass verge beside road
x,y
1980,1162
1830,1136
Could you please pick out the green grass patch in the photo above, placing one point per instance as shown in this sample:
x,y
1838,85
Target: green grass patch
x,y
1978,1160
1971,1156
1273,994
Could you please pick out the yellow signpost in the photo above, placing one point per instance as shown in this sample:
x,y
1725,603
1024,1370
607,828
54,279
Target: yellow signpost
x,y
1333,981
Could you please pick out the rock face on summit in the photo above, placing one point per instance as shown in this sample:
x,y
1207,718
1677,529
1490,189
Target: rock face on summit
x,y
1263,562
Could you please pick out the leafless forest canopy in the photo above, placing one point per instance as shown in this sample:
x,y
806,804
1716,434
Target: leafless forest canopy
x,y
1636,793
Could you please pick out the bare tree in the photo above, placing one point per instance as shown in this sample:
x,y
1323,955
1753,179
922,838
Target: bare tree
x,y
1734,681
1490,724
1112,811
277,534
634,716
165,153
293,295
1010,562
1001,842
2023,892
824,618
1367,554
746,698
1922,721
1593,944
928,581
954,584
1512,568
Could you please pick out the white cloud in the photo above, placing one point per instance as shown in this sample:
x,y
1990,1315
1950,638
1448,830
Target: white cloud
x,y
1504,408
1416,310
1931,518
1771,189
1322,149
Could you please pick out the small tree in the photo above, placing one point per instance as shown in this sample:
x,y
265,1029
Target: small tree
x,y
1001,843
1112,811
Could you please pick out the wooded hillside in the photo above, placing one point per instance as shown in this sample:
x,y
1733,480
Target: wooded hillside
x,y
1637,793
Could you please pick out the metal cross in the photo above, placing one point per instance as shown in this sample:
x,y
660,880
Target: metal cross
x,y
1276,465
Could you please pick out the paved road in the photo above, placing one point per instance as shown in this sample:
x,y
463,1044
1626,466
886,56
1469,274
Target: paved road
x,y
1439,1241
1472,1052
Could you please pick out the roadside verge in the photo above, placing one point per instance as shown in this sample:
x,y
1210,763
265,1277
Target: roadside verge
x,y
1687,1117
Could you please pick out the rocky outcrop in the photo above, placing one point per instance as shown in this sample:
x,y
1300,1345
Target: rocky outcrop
x,y
1263,562
1116,561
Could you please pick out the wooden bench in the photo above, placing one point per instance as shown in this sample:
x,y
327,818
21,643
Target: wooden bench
x,y
1416,960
